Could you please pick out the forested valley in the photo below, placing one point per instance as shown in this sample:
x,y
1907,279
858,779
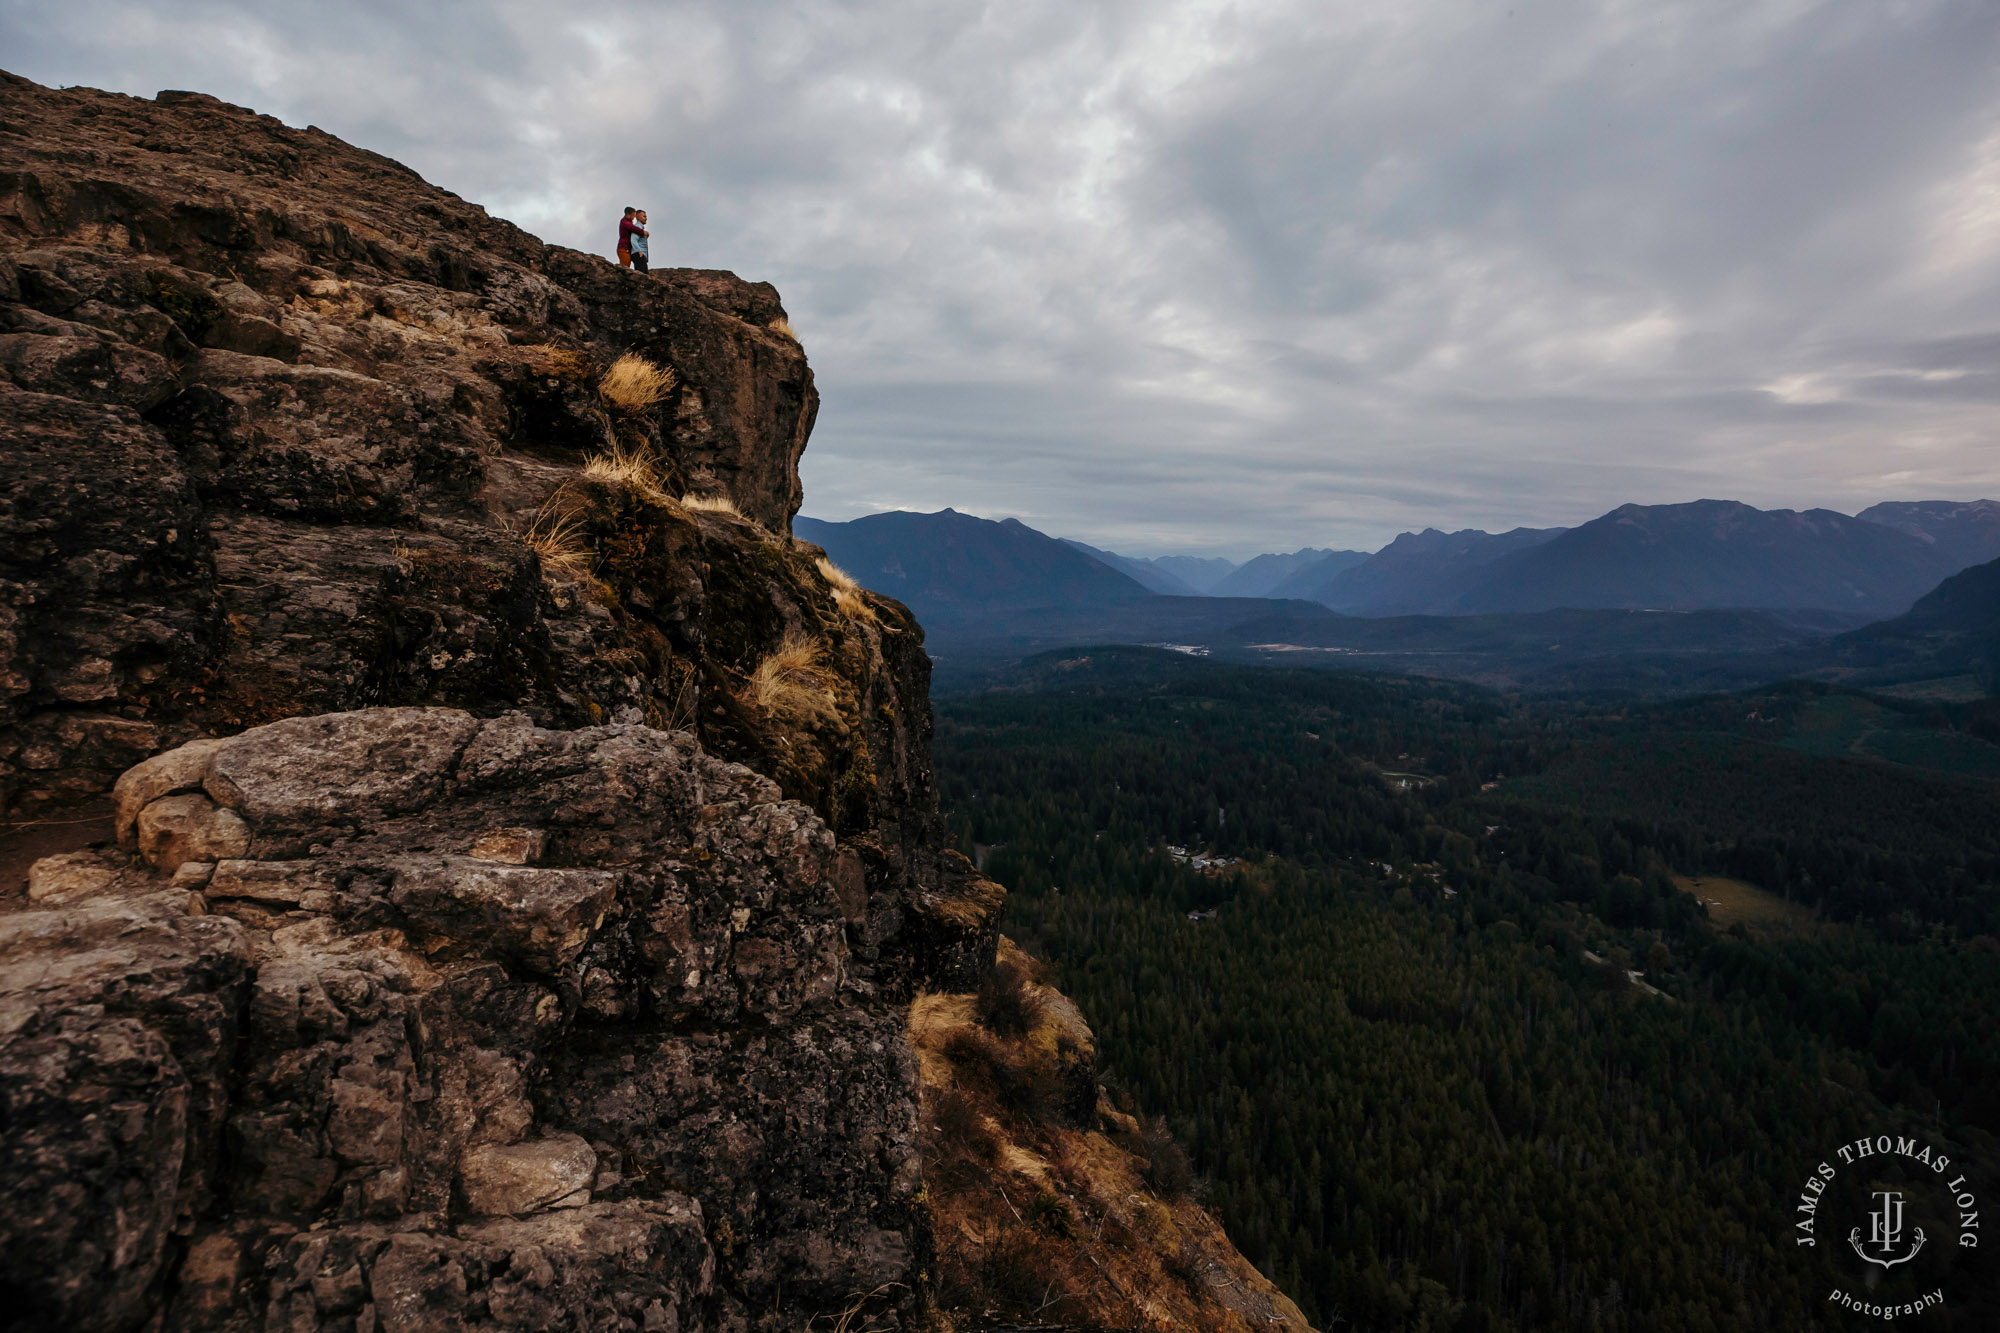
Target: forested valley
x,y
1480,1012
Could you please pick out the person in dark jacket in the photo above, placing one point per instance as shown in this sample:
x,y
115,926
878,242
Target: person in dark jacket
x,y
625,226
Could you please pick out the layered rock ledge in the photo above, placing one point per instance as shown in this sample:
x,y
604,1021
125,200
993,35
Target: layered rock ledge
x,y
407,1019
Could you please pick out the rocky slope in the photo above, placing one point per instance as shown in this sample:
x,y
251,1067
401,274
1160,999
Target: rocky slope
x,y
524,859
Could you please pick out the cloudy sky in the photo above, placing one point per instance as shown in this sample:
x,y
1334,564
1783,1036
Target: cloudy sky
x,y
1229,277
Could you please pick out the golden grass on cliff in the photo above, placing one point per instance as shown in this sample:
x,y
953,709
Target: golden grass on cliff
x,y
713,504
783,328
846,592
557,362
634,384
790,682
625,466
556,538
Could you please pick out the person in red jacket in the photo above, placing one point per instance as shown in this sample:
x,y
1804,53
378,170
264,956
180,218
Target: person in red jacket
x,y
626,227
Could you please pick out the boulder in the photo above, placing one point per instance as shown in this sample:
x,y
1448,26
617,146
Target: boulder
x,y
72,875
656,1028
520,1178
189,827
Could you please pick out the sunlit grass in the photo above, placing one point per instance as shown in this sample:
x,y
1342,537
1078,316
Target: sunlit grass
x,y
847,594
634,384
790,682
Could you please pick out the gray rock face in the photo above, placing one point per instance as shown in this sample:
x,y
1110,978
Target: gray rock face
x,y
629,1075
120,1011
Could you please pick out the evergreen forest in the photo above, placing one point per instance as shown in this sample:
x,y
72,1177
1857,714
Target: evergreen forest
x,y
1482,1012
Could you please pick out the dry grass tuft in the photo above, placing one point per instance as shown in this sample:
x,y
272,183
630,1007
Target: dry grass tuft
x,y
557,362
790,682
856,1309
634,384
713,504
783,328
556,538
677,697
626,467
846,592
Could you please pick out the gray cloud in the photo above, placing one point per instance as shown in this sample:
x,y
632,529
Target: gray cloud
x,y
1207,275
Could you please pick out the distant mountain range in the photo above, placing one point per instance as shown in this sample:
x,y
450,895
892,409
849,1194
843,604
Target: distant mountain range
x,y
1157,576
1952,632
1211,576
1716,553
1267,575
1419,573
1707,554
1711,591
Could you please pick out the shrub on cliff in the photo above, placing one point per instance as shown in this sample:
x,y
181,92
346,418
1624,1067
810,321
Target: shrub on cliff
x,y
713,504
557,540
1008,1003
1167,1172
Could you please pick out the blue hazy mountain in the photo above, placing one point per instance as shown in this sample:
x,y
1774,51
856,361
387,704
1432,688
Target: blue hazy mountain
x,y
1703,555
952,568
1152,575
1200,572
1419,573
1952,630
1211,576
1964,533
1711,554
1262,576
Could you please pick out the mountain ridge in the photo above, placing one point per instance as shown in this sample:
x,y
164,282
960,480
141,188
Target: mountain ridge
x,y
1263,576
949,567
1415,574
1713,554
1152,575
1964,532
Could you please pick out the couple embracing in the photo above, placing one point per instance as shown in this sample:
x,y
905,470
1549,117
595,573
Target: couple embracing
x,y
633,240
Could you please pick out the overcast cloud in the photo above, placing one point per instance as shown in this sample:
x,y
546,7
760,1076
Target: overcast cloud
x,y
1237,276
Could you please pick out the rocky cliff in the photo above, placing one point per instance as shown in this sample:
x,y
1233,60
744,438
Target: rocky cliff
x,y
491,865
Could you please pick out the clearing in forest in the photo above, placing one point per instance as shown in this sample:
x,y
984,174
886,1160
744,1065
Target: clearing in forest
x,y
1730,901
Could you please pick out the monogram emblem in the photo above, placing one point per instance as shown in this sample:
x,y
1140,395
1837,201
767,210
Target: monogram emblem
x,y
1885,1232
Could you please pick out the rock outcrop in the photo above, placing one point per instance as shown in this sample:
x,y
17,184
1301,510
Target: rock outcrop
x,y
520,853
1046,1198
470,1023
277,414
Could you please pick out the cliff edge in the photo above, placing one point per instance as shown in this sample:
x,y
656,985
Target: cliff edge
x,y
485,871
